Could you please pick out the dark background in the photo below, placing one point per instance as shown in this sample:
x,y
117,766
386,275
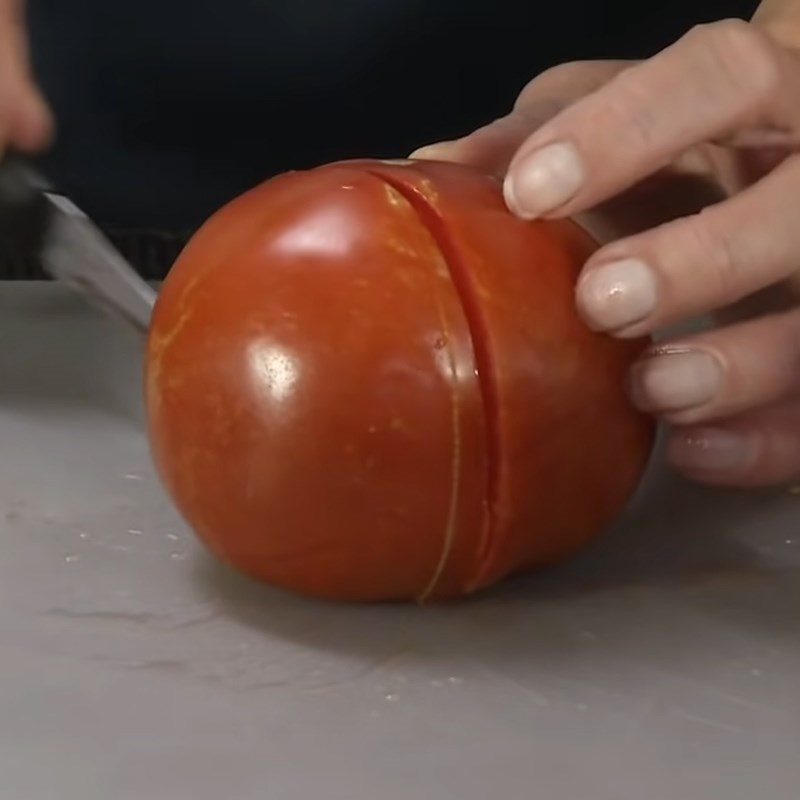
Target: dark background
x,y
167,109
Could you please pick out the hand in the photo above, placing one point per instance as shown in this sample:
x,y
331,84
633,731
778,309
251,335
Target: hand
x,y
25,120
688,167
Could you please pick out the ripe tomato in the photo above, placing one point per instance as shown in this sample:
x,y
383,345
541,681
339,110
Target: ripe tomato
x,y
367,381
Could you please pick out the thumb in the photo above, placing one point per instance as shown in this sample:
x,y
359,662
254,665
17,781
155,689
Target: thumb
x,y
492,147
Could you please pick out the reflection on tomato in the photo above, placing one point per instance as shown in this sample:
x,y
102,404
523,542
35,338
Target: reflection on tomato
x,y
368,381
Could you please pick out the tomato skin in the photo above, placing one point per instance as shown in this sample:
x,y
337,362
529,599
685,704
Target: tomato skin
x,y
368,382
303,406
570,448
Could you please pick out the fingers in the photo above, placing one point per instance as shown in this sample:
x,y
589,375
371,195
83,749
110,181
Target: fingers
x,y
759,449
718,80
25,120
492,147
696,264
734,395
31,123
721,373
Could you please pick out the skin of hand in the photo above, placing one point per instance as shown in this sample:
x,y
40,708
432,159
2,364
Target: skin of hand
x,y
25,120
687,166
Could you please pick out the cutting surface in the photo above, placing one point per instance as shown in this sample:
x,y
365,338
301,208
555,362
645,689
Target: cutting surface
x,y
664,663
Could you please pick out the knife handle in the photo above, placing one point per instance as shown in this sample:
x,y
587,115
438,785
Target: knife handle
x,y
24,210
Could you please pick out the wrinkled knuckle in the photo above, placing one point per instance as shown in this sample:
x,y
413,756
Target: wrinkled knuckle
x,y
530,92
724,269
551,79
748,58
567,71
630,110
526,96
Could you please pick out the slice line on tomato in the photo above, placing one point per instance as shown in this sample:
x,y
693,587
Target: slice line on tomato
x,y
459,271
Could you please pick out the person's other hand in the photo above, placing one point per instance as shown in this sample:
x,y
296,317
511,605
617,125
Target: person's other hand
x,y
25,120
688,166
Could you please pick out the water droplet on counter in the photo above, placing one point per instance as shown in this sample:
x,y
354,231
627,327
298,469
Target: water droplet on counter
x,y
756,673
135,532
390,697
132,476
790,541
83,535
172,537
70,559
454,680
177,556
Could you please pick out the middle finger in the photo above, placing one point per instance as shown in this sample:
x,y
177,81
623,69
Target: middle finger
x,y
721,373
696,264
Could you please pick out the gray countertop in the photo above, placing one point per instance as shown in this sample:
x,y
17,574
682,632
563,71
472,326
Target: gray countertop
x,y
663,664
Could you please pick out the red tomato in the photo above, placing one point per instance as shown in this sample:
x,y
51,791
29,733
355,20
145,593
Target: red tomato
x,y
368,381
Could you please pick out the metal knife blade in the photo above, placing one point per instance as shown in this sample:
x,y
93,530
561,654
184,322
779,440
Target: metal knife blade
x,y
37,220
77,253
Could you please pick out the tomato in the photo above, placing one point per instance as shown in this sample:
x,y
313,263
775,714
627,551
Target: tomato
x,y
368,381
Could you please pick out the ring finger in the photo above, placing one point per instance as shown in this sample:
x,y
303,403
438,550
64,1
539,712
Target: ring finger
x,y
721,373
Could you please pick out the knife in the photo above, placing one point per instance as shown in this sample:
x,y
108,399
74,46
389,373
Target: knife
x,y
38,221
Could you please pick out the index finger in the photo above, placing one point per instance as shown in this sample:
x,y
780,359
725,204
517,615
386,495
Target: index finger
x,y
717,80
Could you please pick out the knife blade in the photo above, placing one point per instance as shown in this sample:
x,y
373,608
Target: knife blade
x,y
36,220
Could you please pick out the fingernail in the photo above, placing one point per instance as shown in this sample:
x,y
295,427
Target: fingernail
x,y
432,152
712,450
617,295
544,180
676,381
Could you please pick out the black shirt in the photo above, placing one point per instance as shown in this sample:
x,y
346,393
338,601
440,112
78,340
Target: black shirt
x,y
168,108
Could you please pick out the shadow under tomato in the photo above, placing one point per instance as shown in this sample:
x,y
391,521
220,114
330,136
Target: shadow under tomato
x,y
680,553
